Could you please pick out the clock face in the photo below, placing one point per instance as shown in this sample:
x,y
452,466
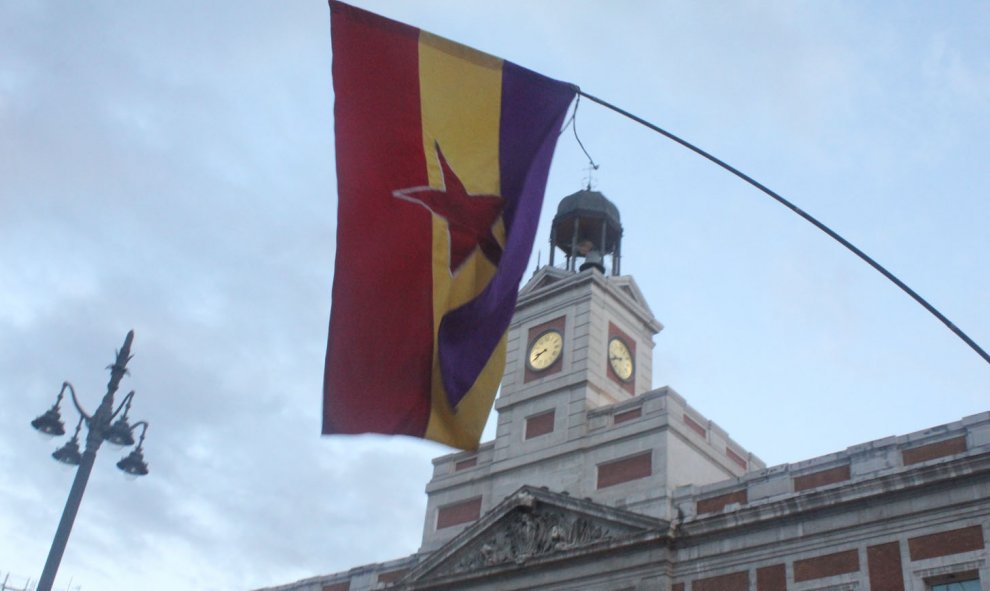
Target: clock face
x,y
620,359
546,349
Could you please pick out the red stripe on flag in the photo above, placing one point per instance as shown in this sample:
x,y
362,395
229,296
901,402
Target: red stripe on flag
x,y
380,347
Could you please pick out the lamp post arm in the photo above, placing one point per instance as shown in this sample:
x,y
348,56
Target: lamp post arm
x,y
75,401
124,404
61,394
144,430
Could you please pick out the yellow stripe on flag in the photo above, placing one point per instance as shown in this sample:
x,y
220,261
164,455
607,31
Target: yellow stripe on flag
x,y
460,95
461,102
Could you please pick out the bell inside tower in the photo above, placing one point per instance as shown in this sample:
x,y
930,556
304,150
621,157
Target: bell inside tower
x,y
587,229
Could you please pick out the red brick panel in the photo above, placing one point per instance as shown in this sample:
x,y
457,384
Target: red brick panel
x,y
730,582
735,457
342,586
628,415
821,478
392,575
530,375
946,542
826,566
677,587
626,469
540,424
716,504
771,578
465,464
694,426
456,513
939,449
884,563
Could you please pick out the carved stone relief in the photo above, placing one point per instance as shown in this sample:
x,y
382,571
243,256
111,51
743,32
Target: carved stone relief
x,y
528,532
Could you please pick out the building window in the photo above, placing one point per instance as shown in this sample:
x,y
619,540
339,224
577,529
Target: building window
x,y
967,585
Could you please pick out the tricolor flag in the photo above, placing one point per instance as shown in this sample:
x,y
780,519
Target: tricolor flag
x,y
442,161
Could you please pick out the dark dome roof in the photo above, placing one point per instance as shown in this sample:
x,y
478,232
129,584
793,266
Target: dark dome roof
x,y
586,216
588,202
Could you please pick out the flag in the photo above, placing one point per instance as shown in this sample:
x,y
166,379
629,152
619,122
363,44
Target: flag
x,y
442,161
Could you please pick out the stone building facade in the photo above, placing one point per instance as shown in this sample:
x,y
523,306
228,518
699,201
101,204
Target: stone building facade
x,y
595,482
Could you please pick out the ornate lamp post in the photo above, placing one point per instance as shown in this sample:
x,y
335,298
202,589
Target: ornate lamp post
x,y
100,426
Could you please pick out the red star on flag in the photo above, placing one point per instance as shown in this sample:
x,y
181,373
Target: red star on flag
x,y
470,218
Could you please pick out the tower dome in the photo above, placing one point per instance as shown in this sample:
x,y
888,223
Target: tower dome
x,y
587,226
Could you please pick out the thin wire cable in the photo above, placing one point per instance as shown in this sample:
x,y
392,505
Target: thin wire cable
x,y
572,121
591,161
948,323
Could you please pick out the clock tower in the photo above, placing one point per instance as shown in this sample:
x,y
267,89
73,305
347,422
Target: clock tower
x,y
598,321
577,412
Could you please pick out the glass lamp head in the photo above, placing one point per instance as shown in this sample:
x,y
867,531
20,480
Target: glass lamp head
x,y
69,453
133,464
50,423
120,433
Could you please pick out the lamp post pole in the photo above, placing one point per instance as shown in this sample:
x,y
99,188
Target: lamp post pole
x,y
99,428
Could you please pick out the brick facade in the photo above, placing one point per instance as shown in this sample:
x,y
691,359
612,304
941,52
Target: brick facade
x,y
457,513
828,565
946,542
694,426
821,478
771,578
884,564
465,464
731,582
716,504
939,449
629,415
539,424
626,469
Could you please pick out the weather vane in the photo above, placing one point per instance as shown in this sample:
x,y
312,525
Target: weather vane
x,y
590,181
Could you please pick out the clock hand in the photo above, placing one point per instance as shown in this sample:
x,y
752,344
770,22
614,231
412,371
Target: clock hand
x,y
537,356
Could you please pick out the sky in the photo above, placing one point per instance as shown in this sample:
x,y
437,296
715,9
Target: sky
x,y
168,167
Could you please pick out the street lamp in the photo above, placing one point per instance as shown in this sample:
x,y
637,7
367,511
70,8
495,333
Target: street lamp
x,y
100,426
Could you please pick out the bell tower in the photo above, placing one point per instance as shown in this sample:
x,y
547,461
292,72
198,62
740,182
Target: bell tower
x,y
582,334
587,226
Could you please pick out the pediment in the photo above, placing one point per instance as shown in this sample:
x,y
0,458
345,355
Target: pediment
x,y
627,285
545,276
531,525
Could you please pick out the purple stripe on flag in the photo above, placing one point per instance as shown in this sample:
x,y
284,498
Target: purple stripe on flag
x,y
533,109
